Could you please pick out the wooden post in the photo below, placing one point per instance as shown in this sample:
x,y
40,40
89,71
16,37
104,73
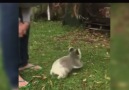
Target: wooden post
x,y
48,12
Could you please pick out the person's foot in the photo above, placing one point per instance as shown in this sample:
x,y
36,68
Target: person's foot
x,y
22,82
30,66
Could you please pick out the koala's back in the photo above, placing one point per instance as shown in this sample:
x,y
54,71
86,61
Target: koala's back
x,y
62,65
66,61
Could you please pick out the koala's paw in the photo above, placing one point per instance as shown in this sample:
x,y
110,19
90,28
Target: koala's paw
x,y
51,73
62,76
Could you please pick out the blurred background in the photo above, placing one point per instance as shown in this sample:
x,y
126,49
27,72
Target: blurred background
x,y
120,46
92,15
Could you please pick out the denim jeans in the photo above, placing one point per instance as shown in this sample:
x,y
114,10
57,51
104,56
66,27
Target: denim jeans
x,y
10,41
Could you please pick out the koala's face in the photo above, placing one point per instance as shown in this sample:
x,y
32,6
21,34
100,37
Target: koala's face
x,y
75,53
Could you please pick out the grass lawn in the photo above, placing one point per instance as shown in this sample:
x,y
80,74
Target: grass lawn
x,y
3,80
50,41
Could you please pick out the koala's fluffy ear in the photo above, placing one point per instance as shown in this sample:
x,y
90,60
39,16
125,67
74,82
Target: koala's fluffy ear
x,y
71,49
78,52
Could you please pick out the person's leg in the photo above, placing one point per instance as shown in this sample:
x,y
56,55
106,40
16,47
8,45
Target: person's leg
x,y
22,82
9,41
24,49
24,55
23,44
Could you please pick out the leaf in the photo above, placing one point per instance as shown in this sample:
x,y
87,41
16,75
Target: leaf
x,y
106,77
84,80
74,73
35,82
37,76
51,83
44,77
91,76
43,88
98,82
96,46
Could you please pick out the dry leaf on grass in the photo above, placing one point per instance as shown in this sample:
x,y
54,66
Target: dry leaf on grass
x,y
106,77
43,88
44,77
84,80
98,82
74,73
36,76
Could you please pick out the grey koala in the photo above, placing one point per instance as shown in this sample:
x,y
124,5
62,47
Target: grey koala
x,y
64,65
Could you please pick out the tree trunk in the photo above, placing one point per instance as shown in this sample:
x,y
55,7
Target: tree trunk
x,y
71,14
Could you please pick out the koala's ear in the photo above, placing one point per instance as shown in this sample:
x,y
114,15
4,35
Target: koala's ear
x,y
78,52
71,49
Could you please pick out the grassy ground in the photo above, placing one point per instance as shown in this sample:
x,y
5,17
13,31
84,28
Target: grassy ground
x,y
3,78
50,40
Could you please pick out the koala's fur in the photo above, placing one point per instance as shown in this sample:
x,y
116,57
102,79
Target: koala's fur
x,y
64,65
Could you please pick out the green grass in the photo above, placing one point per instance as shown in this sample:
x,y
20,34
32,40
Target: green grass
x,y
50,41
3,77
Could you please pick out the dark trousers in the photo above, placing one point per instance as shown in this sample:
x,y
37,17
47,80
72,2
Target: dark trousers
x,y
24,49
9,40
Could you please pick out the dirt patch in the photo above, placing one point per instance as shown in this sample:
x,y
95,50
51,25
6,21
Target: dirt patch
x,y
85,36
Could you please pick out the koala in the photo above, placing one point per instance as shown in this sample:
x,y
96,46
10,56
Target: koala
x,y
64,65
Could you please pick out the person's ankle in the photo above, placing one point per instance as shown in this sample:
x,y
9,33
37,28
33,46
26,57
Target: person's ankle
x,y
23,65
22,82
